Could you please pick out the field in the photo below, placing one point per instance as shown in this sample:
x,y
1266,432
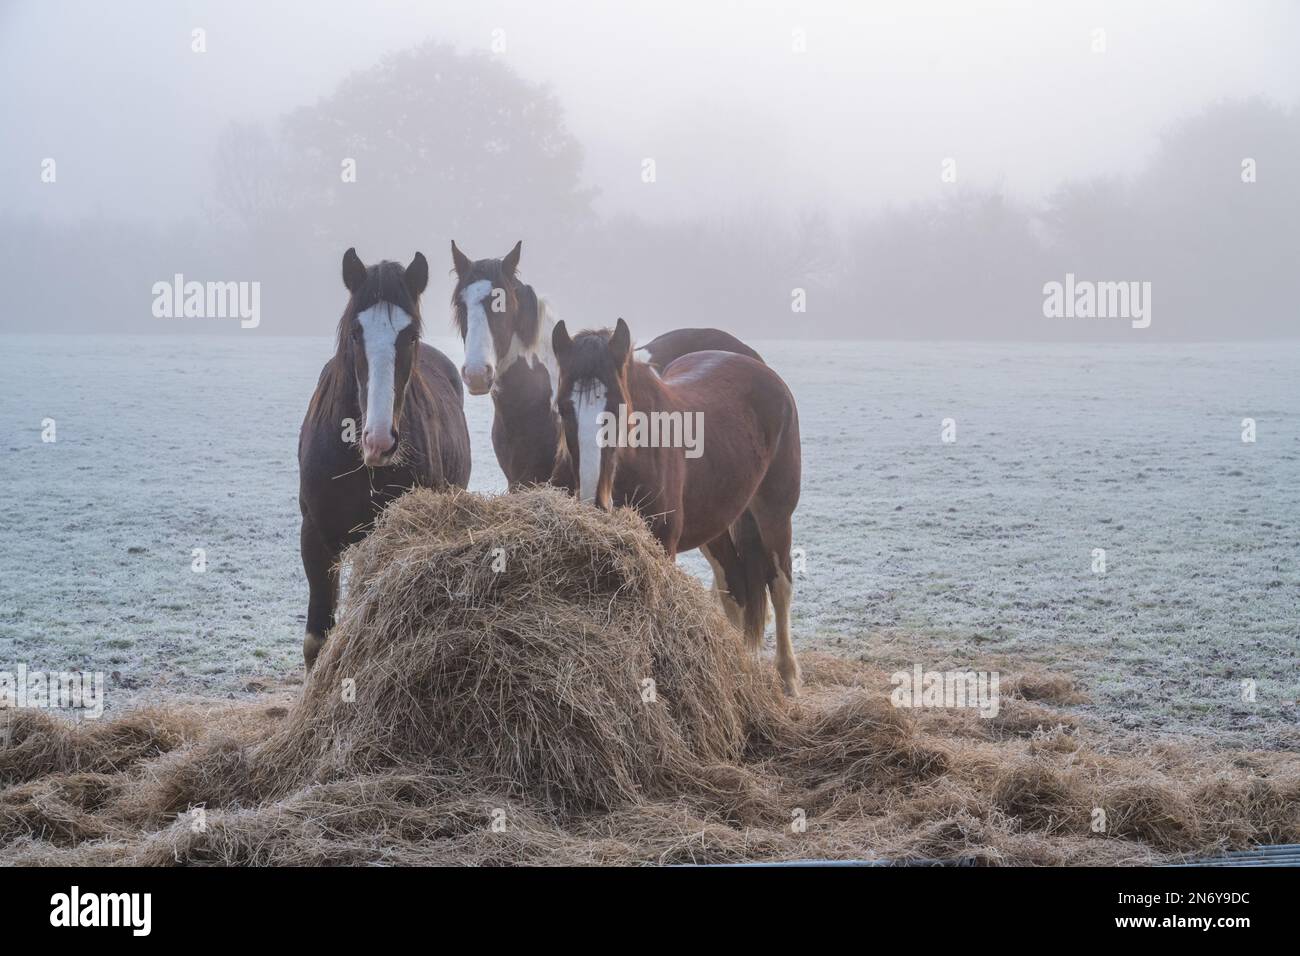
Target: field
x,y
588,703
976,553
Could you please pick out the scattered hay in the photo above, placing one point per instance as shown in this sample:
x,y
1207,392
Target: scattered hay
x,y
1151,811
588,704
1017,718
39,745
1039,795
1045,687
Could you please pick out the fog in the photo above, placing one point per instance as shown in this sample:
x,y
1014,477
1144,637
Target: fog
x,y
852,170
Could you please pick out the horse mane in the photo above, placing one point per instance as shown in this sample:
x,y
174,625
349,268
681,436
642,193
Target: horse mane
x,y
589,357
489,269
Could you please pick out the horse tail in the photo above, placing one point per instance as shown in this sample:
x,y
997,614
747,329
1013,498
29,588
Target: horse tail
x,y
755,570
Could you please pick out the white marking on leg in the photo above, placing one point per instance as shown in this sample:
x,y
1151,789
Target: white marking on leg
x,y
380,326
588,404
786,665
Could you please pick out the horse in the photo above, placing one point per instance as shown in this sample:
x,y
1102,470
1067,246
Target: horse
x,y
506,328
388,415
667,348
724,554
736,495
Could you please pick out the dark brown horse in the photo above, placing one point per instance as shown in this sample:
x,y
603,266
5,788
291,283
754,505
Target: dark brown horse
x,y
388,415
506,328
631,436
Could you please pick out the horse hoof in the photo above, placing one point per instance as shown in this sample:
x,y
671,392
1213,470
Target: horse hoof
x,y
790,683
311,645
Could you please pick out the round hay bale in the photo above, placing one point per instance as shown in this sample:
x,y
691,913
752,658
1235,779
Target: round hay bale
x,y
534,644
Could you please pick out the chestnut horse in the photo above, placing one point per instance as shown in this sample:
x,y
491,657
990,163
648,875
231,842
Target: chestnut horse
x,y
692,495
667,348
388,415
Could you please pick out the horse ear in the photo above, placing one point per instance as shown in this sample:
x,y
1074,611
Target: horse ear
x,y
417,275
620,343
560,341
459,260
511,262
354,271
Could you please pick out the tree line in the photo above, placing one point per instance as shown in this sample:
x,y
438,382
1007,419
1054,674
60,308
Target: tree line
x,y
432,144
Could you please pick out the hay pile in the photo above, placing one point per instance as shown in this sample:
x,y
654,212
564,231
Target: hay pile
x,y
588,704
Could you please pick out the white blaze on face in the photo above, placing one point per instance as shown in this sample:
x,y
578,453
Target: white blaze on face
x,y
380,326
479,353
588,404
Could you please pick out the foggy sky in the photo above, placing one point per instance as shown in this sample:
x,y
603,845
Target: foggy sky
x,y
711,91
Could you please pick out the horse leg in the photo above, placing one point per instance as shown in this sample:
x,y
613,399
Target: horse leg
x,y
319,561
755,571
775,531
782,589
728,580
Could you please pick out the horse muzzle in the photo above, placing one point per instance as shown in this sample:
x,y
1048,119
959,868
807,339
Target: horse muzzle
x,y
478,380
377,450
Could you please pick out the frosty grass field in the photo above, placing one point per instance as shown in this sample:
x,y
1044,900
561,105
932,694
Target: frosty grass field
x,y
975,554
